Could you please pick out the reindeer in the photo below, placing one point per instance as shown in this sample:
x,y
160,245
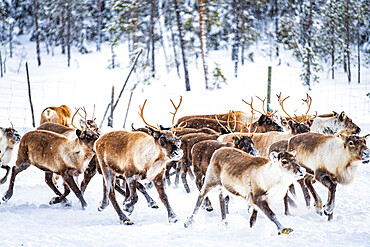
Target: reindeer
x,y
334,124
136,155
54,114
237,116
331,160
258,180
201,154
55,153
9,138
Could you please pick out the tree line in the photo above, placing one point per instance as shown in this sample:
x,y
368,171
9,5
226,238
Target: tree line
x,y
321,34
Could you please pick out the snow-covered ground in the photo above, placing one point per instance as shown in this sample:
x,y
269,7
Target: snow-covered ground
x,y
28,220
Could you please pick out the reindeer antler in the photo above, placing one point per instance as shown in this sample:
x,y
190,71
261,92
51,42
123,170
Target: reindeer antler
x,y
251,106
281,103
141,114
308,101
225,127
73,117
176,109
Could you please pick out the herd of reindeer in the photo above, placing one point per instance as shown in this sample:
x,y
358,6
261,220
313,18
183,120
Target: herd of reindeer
x,y
258,156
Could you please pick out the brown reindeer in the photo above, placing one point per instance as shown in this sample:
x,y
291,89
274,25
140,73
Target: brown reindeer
x,y
9,138
55,153
136,155
201,154
331,160
258,180
187,142
231,116
61,115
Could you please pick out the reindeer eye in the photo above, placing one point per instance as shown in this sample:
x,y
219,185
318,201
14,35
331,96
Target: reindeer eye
x,y
162,141
284,163
351,143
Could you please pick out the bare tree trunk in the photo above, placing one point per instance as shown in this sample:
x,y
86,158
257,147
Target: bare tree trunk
x,y
11,26
69,35
203,40
358,53
152,16
99,26
277,26
134,40
332,43
63,45
348,53
308,79
182,44
236,45
35,7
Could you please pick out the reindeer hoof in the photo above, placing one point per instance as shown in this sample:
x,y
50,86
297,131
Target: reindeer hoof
x,y
224,223
173,219
285,231
129,209
153,204
126,222
66,203
188,222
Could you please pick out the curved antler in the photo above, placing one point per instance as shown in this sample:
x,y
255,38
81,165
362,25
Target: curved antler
x,y
73,117
308,101
141,114
281,103
176,109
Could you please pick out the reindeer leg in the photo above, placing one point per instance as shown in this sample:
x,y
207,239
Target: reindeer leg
x,y
306,194
286,204
199,183
151,202
109,181
316,197
68,177
179,165
169,165
183,177
263,205
16,169
210,182
7,168
325,179
128,206
158,183
120,190
253,218
105,201
61,198
89,173
223,208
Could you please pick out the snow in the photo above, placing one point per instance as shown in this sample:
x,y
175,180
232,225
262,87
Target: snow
x,y
28,220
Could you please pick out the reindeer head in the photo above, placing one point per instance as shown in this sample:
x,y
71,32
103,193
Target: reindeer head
x,y
11,135
265,124
168,142
246,144
288,164
346,123
166,139
356,146
298,128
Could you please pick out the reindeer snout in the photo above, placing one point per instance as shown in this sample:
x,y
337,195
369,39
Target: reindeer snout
x,y
177,155
365,155
301,172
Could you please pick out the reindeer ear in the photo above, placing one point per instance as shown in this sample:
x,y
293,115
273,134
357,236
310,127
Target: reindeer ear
x,y
80,134
343,137
155,133
262,120
335,113
341,116
236,140
273,156
290,124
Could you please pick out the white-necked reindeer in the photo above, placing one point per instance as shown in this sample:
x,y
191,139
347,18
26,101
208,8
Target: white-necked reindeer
x,y
258,180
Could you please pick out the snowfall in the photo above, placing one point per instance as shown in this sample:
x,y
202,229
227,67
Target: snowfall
x,y
27,219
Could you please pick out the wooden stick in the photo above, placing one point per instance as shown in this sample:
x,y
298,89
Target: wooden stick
x,y
29,95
